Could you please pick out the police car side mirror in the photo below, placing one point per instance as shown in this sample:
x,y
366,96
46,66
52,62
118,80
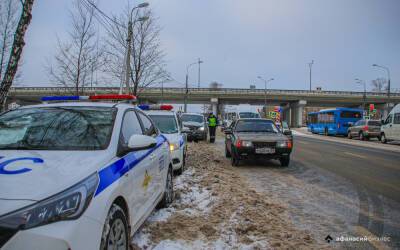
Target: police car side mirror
x,y
287,132
141,142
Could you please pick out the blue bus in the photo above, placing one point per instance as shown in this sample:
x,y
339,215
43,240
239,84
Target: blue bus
x,y
333,121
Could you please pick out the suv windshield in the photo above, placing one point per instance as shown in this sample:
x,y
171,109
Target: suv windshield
x,y
192,118
165,123
374,123
249,115
57,128
256,126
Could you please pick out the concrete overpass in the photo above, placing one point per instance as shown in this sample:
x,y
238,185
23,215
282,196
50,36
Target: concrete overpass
x,y
293,101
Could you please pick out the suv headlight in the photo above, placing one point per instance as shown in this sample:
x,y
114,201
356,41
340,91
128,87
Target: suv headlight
x,y
66,205
201,128
173,147
247,144
284,144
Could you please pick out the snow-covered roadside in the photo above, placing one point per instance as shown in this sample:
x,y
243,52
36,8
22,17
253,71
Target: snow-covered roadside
x,y
215,209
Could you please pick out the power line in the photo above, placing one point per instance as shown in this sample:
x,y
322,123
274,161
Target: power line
x,y
103,14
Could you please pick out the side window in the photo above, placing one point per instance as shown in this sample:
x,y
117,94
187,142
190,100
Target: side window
x,y
396,118
357,124
388,119
148,126
130,126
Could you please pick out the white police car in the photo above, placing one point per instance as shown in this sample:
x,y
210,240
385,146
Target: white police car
x,y
79,175
168,123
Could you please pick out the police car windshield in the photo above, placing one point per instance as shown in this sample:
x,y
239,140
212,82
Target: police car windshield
x,y
165,123
57,128
248,115
256,126
192,118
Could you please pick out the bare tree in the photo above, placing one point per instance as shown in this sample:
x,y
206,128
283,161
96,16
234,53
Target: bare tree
x,y
8,22
379,85
147,57
79,58
16,49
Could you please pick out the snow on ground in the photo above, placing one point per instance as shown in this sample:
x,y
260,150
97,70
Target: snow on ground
x,y
215,208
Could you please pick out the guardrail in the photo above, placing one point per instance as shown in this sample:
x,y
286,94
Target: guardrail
x,y
222,91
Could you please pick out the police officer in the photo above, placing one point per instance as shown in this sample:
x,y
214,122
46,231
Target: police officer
x,y
212,126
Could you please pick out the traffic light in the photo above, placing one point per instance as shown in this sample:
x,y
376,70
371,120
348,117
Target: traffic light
x,y
371,107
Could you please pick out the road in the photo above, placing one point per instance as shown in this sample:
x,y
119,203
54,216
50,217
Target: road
x,y
336,188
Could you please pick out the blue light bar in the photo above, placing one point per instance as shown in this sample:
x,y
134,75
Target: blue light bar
x,y
144,107
61,98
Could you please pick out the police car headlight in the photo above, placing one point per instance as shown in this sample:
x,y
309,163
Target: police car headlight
x,y
201,128
173,147
67,205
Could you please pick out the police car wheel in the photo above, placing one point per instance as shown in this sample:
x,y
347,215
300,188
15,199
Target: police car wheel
x,y
383,138
115,232
169,191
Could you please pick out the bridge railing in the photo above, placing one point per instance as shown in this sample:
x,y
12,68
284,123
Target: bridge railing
x,y
222,91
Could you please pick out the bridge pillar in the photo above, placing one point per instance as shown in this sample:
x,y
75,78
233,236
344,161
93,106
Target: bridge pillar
x,y
214,106
296,113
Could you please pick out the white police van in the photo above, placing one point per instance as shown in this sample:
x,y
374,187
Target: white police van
x,y
79,175
168,123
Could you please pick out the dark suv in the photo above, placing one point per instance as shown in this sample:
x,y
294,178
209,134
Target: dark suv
x,y
256,138
365,129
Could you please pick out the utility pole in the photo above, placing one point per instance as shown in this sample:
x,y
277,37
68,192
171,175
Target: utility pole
x,y
265,92
365,91
129,46
310,65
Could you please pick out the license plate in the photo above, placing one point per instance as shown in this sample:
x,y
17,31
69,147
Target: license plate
x,y
265,150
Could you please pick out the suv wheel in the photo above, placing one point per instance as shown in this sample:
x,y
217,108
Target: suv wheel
x,y
168,196
115,233
383,138
227,153
234,159
349,135
361,136
285,160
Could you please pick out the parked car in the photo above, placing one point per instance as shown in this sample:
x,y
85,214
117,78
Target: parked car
x,y
79,175
390,129
365,129
256,138
195,125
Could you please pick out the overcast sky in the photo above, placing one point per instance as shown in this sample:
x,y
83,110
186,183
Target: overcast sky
x,y
241,39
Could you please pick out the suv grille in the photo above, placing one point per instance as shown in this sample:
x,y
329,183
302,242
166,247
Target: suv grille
x,y
264,144
5,235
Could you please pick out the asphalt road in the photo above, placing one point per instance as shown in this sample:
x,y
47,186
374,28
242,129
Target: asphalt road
x,y
337,188
376,170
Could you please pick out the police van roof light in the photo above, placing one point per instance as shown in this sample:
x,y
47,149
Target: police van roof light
x,y
93,97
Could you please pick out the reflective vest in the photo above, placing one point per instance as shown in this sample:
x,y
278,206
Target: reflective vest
x,y
212,121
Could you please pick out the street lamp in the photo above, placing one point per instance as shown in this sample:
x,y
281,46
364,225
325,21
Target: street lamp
x,y
359,81
310,65
265,90
199,62
186,85
129,42
388,72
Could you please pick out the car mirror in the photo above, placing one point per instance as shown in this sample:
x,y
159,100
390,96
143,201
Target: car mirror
x,y
383,122
141,142
228,131
287,132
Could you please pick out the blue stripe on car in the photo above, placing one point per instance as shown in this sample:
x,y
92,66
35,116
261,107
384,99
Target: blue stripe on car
x,y
116,170
181,142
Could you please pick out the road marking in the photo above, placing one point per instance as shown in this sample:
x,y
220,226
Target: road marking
x,y
356,155
302,142
362,231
